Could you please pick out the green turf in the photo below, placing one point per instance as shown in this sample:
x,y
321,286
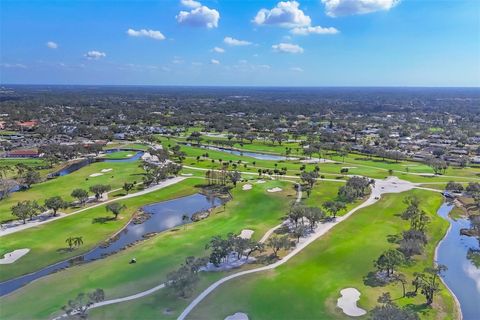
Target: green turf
x,y
255,209
63,186
120,155
309,284
45,240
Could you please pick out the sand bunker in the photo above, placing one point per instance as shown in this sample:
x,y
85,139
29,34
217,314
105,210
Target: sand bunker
x,y
95,175
349,167
276,189
348,302
316,160
187,174
13,256
106,170
246,234
129,155
237,316
261,181
247,187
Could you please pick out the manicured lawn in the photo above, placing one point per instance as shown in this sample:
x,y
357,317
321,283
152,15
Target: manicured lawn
x,y
120,155
310,283
255,209
63,186
45,240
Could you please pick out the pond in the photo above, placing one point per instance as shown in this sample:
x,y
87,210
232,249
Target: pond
x,y
163,215
80,164
255,155
462,277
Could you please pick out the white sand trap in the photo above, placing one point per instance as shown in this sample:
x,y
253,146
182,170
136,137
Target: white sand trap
x,y
129,155
261,181
247,187
276,189
349,167
348,302
13,256
237,316
316,160
106,170
187,174
93,175
246,234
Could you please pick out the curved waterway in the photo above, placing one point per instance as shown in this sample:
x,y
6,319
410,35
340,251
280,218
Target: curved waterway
x,y
163,215
255,155
462,277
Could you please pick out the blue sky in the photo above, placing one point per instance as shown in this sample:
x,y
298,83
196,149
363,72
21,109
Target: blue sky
x,y
233,42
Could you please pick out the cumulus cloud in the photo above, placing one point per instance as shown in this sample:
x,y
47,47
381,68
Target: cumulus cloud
x,y
214,61
287,48
336,8
94,55
157,35
52,45
218,50
190,3
286,14
303,31
199,17
235,42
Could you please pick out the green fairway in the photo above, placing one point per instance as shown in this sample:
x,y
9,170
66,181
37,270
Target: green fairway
x,y
46,240
120,155
255,209
339,260
63,186
373,168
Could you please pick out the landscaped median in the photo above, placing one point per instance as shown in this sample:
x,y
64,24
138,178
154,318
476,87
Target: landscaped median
x,y
255,209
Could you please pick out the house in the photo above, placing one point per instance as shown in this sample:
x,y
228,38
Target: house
x,y
27,125
30,153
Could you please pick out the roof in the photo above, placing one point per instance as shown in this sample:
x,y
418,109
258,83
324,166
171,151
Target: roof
x,y
23,152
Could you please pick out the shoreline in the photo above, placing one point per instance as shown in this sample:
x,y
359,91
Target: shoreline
x,y
435,256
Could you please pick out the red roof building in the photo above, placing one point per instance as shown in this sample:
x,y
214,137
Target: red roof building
x,y
31,153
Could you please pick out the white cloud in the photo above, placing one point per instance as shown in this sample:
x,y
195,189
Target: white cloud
x,y
286,14
287,48
94,55
190,3
51,45
13,65
303,31
157,35
199,17
296,69
177,60
214,61
235,42
218,50
335,8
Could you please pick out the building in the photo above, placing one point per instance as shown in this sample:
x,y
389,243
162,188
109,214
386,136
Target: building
x,y
30,153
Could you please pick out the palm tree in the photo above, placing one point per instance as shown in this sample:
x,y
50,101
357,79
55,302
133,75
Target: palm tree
x,y
185,220
77,241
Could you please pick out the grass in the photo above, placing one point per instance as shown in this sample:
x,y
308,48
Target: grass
x,y
120,155
126,145
63,186
255,209
46,241
359,165
339,260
